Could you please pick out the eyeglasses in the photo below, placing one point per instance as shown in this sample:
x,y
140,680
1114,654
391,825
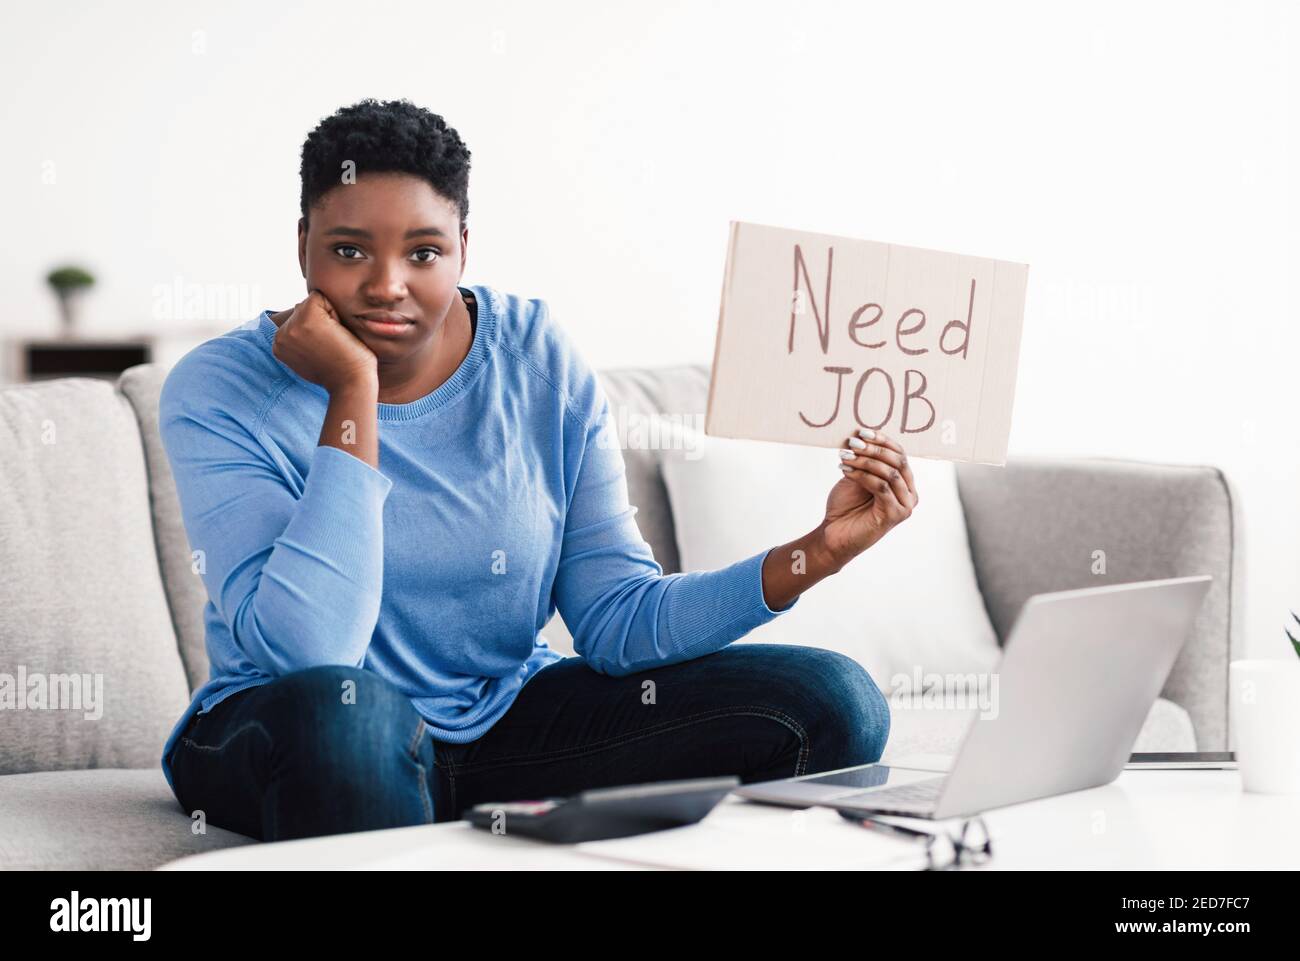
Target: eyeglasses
x,y
971,845
944,851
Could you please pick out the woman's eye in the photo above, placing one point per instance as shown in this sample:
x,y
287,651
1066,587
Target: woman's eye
x,y
341,249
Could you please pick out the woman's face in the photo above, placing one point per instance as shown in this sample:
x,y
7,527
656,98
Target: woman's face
x,y
387,243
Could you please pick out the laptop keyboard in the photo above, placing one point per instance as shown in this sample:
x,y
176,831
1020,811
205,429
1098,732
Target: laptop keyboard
x,y
915,794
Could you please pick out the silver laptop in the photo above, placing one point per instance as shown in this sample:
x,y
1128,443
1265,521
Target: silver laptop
x,y
1079,672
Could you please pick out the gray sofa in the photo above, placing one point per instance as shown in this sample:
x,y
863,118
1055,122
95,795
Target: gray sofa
x,y
98,587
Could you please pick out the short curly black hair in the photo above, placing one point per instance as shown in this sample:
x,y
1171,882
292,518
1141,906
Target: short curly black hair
x,y
385,136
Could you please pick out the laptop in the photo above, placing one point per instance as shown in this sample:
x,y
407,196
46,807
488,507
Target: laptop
x,y
1079,672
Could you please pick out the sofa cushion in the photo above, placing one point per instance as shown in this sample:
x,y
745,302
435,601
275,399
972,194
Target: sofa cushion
x,y
1055,524
81,602
911,602
124,820
639,401
186,595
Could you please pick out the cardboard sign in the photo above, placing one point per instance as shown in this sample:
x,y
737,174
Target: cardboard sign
x,y
819,335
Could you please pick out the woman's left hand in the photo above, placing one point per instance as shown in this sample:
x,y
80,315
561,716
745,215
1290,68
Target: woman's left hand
x,y
876,494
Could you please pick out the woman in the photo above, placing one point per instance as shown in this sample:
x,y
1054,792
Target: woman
x,y
373,621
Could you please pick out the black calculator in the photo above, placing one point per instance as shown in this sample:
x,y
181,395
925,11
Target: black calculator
x,y
603,813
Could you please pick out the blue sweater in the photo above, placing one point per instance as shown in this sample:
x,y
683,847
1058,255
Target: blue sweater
x,y
500,498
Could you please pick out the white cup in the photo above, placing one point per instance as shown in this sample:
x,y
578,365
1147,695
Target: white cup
x,y
1264,704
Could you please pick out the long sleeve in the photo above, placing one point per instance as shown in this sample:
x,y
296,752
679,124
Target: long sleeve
x,y
625,614
296,576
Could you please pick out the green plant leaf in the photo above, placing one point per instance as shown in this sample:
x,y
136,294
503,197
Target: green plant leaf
x,y
69,278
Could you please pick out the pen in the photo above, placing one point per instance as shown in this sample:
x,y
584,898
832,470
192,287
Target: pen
x,y
896,829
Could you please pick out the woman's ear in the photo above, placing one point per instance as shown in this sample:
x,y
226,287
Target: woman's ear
x,y
464,249
302,246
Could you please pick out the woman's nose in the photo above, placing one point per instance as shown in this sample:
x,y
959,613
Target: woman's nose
x,y
386,284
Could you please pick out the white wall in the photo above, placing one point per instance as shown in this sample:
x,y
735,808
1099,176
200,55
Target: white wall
x,y
1142,158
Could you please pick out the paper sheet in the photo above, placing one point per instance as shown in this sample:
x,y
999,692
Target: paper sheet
x,y
750,837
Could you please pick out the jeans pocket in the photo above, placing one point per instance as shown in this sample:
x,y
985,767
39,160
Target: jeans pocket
x,y
182,753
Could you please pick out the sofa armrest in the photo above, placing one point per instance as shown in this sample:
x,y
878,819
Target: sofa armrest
x,y
1035,524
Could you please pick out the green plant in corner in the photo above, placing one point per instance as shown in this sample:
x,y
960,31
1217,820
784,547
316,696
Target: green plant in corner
x,y
66,283
1291,637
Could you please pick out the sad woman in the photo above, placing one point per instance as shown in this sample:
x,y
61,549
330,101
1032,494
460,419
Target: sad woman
x,y
394,484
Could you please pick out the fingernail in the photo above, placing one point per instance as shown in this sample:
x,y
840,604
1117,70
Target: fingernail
x,y
856,444
846,455
867,432
845,468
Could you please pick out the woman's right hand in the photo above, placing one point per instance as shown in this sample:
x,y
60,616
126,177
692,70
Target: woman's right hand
x,y
314,343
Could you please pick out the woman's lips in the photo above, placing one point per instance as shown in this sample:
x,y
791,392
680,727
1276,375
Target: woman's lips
x,y
389,325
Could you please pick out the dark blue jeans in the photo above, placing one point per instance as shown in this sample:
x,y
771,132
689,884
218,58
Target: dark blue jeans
x,y
294,758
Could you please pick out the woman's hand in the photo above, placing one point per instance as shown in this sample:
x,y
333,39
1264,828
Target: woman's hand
x,y
313,342
876,494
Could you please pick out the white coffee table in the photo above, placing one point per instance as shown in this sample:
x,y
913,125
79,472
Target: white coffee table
x,y
1150,820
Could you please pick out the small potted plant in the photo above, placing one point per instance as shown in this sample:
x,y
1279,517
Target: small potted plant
x,y
69,283
1264,706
